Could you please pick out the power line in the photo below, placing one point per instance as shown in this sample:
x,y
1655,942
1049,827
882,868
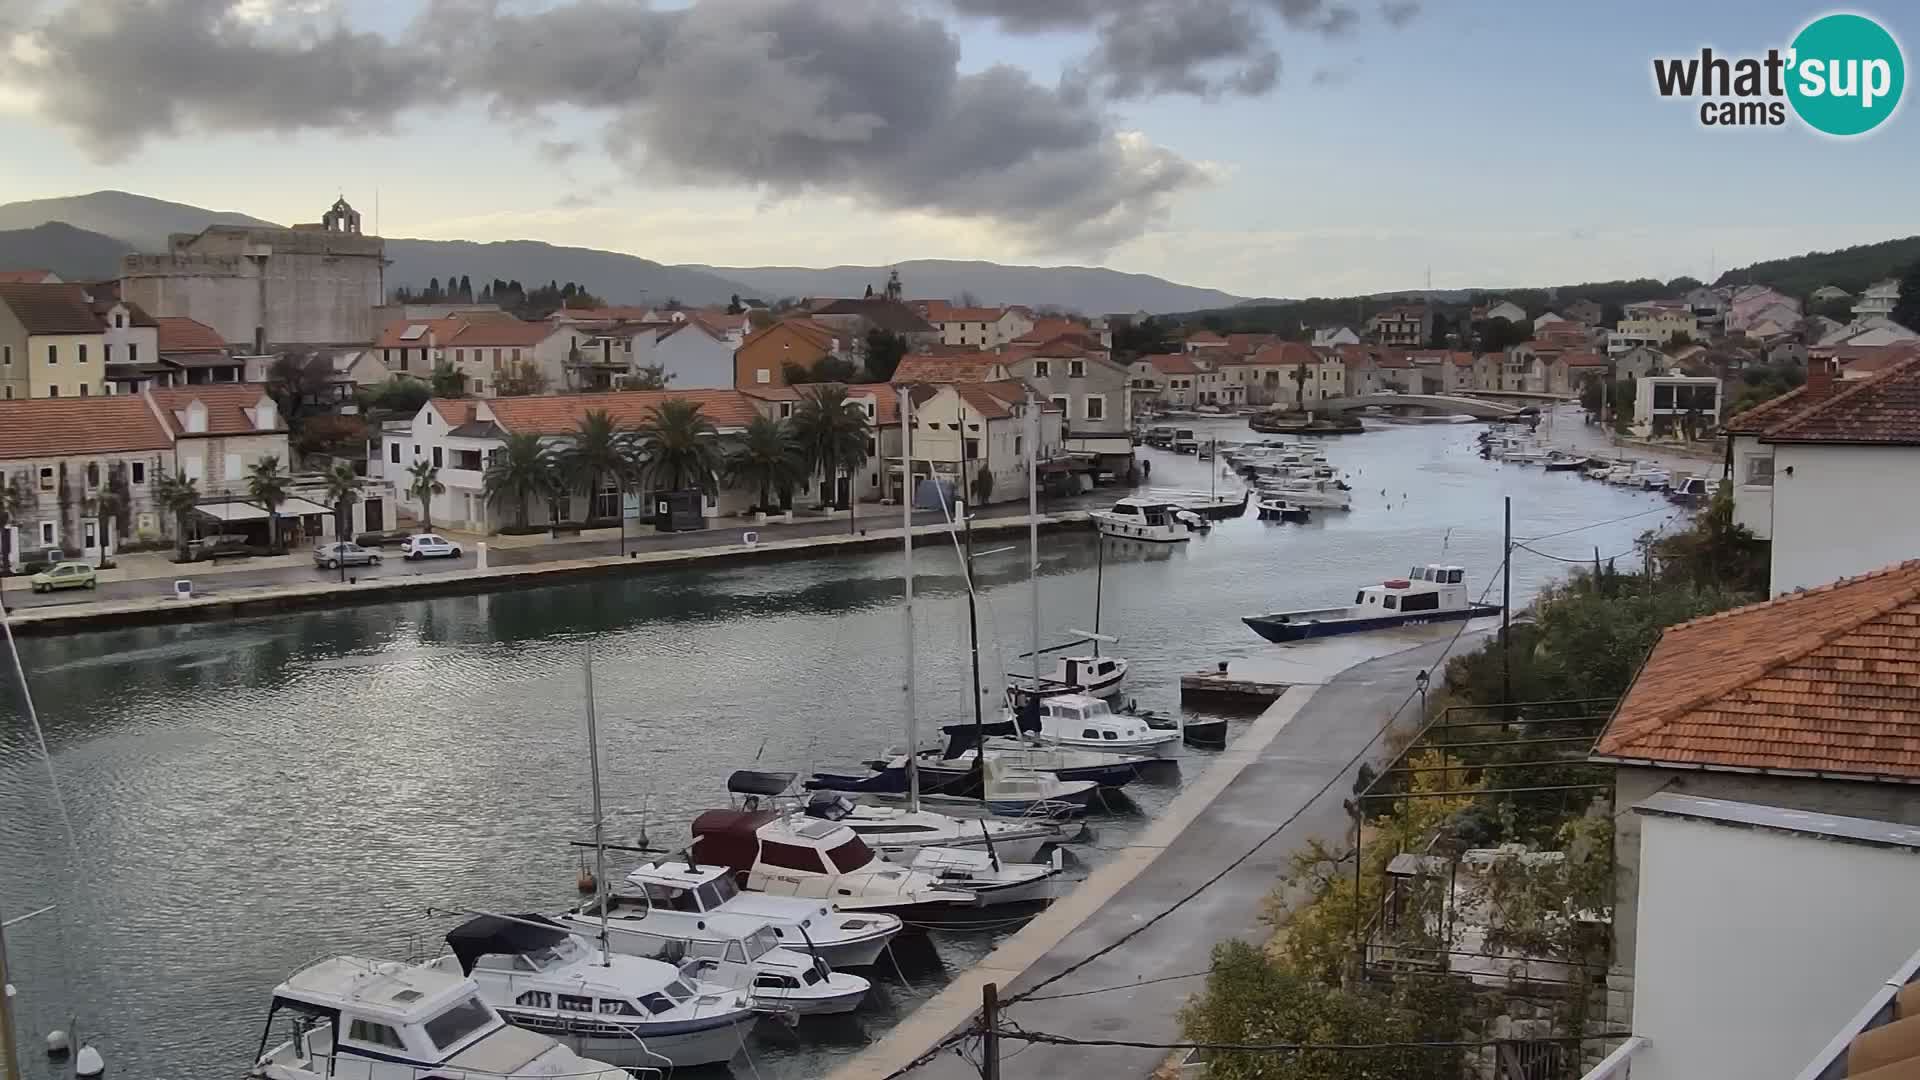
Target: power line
x,y
1294,1048
1594,525
1122,986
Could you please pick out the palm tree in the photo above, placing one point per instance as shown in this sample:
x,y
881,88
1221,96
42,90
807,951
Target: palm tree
x,y
423,484
267,485
102,505
833,435
681,446
179,494
599,449
343,487
767,458
13,502
520,469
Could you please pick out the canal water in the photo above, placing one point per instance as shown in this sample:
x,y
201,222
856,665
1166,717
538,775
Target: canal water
x,y
248,795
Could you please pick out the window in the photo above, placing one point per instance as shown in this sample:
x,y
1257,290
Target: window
x,y
6,355
120,320
616,1007
83,355
1018,441
1096,407
83,389
467,459
762,376
535,999
786,409
366,1031
1760,470
575,1003
790,857
479,386
1391,603
1090,733
851,855
393,452
516,356
459,356
1423,602
496,358
109,352
1061,402
606,503
1076,369
436,457
53,355
1042,370
46,478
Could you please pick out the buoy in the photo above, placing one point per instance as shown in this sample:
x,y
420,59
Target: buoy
x,y
57,1045
585,882
88,1062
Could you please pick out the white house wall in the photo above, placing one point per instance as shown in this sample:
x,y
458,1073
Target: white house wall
x,y
693,360
1839,511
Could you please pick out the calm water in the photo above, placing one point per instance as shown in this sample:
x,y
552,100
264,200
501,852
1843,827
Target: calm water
x,y
252,794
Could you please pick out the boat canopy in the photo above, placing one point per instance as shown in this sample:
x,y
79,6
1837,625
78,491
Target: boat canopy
x,y
756,782
495,935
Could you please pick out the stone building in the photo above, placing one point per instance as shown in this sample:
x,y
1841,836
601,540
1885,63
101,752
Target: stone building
x,y
263,287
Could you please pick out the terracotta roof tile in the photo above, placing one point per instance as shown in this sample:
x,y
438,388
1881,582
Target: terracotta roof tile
x,y
951,368
1826,680
1173,363
227,406
1882,409
51,309
179,334
59,427
1289,353
557,414
26,277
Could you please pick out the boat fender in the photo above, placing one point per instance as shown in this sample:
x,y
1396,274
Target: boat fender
x,y
88,1062
57,1045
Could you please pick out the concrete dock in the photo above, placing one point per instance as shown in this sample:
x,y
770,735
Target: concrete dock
x,y
1298,756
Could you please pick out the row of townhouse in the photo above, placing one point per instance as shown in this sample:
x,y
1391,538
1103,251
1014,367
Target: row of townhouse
x,y
63,340
59,455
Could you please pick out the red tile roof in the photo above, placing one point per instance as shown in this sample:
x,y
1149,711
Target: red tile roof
x,y
951,368
60,427
819,333
1205,337
514,333
886,408
438,332
1172,364
1584,359
227,406
52,309
1289,353
179,334
1462,359
1882,409
1242,344
558,414
1066,346
26,277
1045,330
1824,681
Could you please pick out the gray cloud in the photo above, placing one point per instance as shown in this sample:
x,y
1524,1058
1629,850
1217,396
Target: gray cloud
x,y
1399,12
1201,47
1319,16
558,151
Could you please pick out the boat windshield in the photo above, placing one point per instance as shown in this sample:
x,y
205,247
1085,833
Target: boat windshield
x,y
760,942
559,954
851,855
457,1022
719,891
670,897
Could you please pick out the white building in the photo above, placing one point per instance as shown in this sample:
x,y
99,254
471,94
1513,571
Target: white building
x,y
1501,309
1877,300
695,353
483,349
976,327
1329,336
1661,403
962,431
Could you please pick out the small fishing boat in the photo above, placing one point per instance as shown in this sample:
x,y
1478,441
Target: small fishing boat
x,y
1212,505
1079,722
1273,508
842,939
1207,732
352,1018
1098,676
1427,594
1141,519
1313,494
771,852
1560,461
629,1010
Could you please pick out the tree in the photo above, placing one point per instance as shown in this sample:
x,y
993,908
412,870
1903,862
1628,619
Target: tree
x,y
328,433
179,494
343,487
423,483
768,459
267,485
1906,310
828,369
1300,386
599,450
649,377
102,505
884,350
681,447
1438,340
13,503
466,290
522,468
520,380
832,433
983,486
1497,334
400,394
448,381
297,381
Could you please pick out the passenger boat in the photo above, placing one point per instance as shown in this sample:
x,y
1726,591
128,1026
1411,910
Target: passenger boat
x,y
1274,508
1313,494
632,1011
842,939
1141,519
739,951
1427,594
351,1018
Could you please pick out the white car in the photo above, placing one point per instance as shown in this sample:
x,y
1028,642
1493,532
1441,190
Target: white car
x,y
429,546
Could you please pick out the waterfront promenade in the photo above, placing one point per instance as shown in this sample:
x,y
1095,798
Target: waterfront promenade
x,y
1293,766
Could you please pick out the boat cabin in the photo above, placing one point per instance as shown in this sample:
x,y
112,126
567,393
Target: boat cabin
x,y
1425,588
755,841
350,1007
1149,512
556,982
683,886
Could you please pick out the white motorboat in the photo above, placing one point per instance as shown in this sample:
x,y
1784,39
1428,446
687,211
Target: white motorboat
x,y
1274,508
898,833
351,1018
994,878
843,939
1651,480
780,855
1099,676
1209,504
628,1010
1141,519
1079,722
1427,594
739,951
1313,494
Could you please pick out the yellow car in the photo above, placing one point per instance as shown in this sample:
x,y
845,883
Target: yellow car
x,y
66,575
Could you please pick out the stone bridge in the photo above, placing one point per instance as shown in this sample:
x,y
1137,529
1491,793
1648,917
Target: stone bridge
x,y
1446,404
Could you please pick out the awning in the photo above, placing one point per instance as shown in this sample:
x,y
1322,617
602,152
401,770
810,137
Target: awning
x,y
1100,444
298,507
246,511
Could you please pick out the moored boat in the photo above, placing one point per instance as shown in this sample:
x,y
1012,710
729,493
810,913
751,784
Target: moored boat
x,y
1427,594
1274,508
842,939
1141,519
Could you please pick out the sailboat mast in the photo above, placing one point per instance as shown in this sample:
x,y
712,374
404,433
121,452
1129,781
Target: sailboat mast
x,y
1099,583
1033,526
906,535
599,820
973,646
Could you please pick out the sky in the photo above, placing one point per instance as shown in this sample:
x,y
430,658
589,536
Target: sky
x,y
1263,147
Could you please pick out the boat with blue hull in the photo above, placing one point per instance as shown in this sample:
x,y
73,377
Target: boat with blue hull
x,y
1428,594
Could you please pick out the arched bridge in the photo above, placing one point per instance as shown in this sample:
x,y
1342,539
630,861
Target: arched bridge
x,y
1446,404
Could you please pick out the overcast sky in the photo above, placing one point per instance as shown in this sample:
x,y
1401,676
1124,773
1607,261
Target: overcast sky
x,y
1265,147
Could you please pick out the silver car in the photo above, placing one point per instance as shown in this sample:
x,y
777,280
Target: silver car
x,y
334,556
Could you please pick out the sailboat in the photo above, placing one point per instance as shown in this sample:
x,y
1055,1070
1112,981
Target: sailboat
x,y
1090,674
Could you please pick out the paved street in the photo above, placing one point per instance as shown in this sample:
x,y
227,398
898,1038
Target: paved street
x,y
210,582
1327,732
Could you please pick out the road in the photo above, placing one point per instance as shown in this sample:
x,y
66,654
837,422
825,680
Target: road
x,y
1327,733
393,566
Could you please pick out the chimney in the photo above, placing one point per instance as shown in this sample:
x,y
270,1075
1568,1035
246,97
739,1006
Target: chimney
x,y
1819,379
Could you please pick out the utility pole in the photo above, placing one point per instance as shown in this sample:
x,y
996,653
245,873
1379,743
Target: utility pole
x,y
1506,610
990,1035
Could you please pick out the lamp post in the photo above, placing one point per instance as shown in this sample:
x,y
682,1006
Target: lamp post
x,y
1420,682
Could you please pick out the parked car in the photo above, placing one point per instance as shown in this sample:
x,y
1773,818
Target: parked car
x,y
66,575
429,546
334,556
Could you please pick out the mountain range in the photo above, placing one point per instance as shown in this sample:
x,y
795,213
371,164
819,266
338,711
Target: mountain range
x,y
94,230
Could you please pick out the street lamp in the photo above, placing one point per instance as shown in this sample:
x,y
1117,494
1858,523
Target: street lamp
x,y
1420,682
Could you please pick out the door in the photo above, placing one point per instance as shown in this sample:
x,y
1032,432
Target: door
x,y
376,511
843,491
